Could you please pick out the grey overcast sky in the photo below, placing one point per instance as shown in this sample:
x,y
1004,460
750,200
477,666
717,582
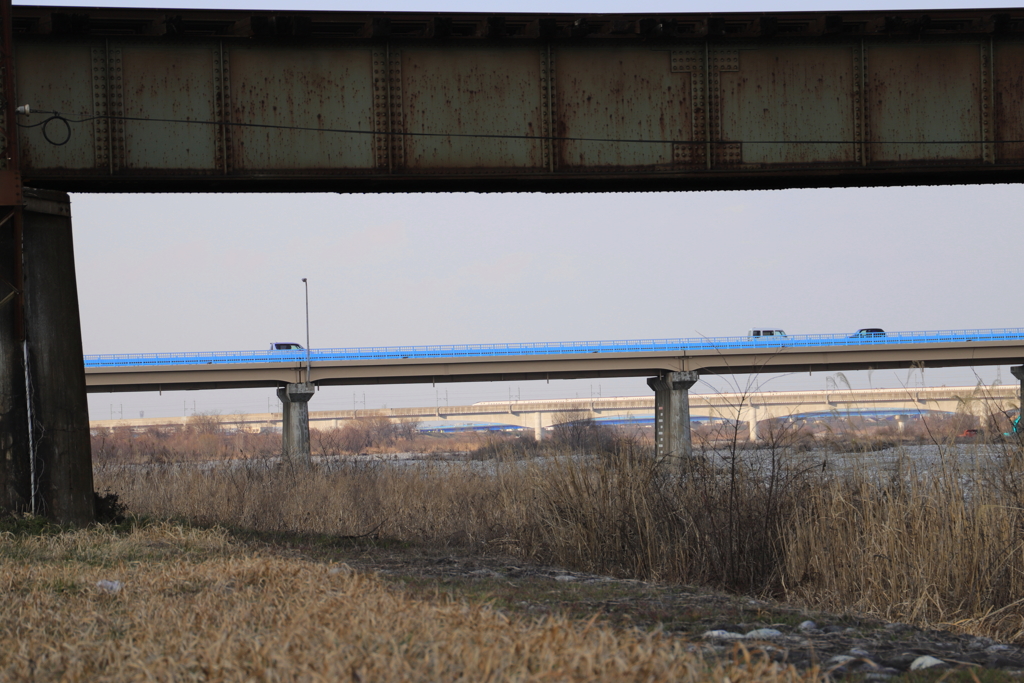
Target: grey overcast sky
x,y
223,272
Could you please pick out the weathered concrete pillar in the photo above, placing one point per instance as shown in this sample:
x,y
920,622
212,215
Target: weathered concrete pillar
x,y
15,470
295,422
538,426
44,417
672,414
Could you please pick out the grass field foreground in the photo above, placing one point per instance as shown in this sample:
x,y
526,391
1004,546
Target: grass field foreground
x,y
190,604
937,541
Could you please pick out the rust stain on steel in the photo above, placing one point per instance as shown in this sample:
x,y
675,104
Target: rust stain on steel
x,y
362,101
61,77
790,93
311,87
1009,101
923,93
619,93
178,85
494,91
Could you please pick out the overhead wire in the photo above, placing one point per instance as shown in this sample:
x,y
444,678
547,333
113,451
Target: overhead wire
x,y
84,118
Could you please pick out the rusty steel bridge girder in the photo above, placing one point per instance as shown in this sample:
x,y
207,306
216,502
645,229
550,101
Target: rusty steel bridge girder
x,y
176,100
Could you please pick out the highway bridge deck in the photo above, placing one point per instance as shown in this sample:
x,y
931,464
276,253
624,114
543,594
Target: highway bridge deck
x,y
560,360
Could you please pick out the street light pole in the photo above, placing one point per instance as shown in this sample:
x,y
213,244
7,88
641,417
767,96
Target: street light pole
x,y
306,284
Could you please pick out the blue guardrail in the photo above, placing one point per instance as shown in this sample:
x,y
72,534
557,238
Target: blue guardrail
x,y
442,351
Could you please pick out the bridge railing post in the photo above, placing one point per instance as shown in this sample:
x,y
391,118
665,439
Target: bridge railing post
x,y
672,414
295,422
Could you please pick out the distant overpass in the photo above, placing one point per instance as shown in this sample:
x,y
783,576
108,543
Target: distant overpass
x,y
554,360
749,408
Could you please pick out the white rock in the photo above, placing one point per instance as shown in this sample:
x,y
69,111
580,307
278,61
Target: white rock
x,y
840,660
807,625
998,648
490,573
764,633
721,634
857,652
112,587
564,578
925,662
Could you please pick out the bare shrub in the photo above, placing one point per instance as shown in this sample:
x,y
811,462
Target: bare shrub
x,y
575,429
194,442
204,423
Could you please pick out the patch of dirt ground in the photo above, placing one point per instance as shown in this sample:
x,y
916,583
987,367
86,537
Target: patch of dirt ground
x,y
865,648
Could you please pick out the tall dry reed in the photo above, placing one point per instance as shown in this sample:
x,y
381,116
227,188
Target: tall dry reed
x,y
942,544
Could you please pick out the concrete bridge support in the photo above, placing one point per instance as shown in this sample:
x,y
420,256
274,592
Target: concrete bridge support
x,y
295,422
45,453
752,436
672,414
538,427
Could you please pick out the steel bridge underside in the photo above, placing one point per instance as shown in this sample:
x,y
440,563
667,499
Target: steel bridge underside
x,y
233,101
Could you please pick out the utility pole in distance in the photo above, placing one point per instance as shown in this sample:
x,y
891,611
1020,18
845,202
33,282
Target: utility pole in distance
x,y
306,284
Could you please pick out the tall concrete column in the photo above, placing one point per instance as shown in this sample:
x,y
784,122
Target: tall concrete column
x,y
45,454
672,414
15,470
295,422
538,426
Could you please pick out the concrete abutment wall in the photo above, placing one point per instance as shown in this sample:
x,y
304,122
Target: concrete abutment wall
x,y
45,456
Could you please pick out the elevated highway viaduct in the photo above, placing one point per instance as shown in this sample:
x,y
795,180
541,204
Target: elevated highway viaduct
x,y
672,367
155,100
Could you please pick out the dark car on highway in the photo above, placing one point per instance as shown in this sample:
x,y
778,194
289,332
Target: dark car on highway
x,y
868,333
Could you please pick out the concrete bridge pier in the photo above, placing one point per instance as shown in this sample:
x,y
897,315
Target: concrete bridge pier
x,y
672,414
538,427
295,422
752,436
45,451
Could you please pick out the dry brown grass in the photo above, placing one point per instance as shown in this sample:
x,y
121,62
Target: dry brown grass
x,y
196,606
943,546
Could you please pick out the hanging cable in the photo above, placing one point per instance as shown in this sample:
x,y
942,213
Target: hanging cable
x,y
32,460
66,122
